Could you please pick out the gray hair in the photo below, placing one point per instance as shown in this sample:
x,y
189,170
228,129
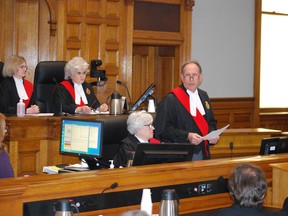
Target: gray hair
x,y
247,185
191,62
74,65
12,64
137,120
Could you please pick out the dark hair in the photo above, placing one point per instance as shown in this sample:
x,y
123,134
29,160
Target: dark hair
x,y
247,185
191,62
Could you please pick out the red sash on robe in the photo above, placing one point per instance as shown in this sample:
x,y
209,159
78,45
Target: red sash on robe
x,y
154,141
28,86
201,122
70,89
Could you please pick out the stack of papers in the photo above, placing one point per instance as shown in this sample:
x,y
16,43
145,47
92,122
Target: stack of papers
x,y
51,169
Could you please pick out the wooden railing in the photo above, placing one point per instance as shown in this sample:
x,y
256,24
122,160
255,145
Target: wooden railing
x,y
17,191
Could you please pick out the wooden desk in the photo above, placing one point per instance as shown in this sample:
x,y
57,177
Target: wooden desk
x,y
33,142
279,183
16,191
246,141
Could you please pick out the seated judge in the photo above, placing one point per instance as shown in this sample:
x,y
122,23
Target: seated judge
x,y
74,94
185,114
6,170
247,186
141,130
14,87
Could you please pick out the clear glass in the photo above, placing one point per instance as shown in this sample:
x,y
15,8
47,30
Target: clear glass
x,y
278,6
273,67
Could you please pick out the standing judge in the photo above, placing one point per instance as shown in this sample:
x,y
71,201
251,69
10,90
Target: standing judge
x,y
14,87
74,94
185,115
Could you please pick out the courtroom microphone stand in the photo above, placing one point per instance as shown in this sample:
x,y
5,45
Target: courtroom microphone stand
x,y
129,96
231,146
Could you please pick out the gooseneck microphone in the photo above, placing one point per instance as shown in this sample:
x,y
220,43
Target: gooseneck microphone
x,y
99,199
127,90
112,186
60,113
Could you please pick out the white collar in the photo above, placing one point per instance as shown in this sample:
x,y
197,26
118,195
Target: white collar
x,y
20,88
79,93
195,102
141,140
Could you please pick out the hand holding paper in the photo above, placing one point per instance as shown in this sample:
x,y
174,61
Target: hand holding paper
x,y
215,134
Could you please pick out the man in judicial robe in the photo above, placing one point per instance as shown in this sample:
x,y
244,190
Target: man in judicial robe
x,y
185,114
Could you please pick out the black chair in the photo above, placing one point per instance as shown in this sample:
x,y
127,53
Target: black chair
x,y
47,73
1,68
114,130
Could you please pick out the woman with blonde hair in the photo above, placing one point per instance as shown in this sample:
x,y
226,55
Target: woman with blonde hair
x,y
6,170
14,86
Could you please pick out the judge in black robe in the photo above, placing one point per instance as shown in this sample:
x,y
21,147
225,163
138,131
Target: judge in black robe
x,y
174,123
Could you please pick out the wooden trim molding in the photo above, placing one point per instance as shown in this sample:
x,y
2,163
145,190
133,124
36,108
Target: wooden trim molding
x,y
129,2
189,4
53,19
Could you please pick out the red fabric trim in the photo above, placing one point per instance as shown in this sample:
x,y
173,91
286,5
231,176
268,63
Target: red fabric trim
x,y
201,122
154,141
71,91
29,90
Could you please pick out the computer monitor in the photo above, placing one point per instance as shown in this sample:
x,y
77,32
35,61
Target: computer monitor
x,y
143,97
274,145
82,138
147,153
283,145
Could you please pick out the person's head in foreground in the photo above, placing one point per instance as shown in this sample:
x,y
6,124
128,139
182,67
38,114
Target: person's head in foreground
x,y
247,185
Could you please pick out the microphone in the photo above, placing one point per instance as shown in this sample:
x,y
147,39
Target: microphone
x,y
94,203
231,146
60,113
112,186
127,90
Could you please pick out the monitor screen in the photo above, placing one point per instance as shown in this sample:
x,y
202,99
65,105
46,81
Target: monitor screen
x,y
283,145
274,145
83,138
147,153
143,97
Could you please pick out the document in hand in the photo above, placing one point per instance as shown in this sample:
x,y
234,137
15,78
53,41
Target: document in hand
x,y
215,134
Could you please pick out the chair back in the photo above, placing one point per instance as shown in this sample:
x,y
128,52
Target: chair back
x,y
46,73
1,69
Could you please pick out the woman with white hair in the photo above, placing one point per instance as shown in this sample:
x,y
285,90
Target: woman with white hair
x,y
139,125
74,94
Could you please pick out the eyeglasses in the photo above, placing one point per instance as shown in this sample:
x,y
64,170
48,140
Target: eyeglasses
x,y
24,67
150,126
81,73
189,76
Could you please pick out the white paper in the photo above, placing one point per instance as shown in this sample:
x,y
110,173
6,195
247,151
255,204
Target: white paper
x,y
215,134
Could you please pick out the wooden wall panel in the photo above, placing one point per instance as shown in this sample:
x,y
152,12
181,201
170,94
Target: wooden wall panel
x,y
238,112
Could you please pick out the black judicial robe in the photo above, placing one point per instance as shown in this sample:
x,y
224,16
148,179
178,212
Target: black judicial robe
x,y
9,96
68,102
173,122
128,144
